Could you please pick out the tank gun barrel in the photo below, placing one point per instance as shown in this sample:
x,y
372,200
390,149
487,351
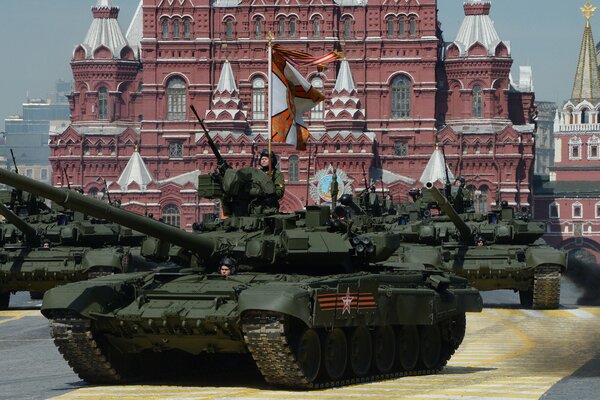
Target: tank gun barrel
x,y
28,230
446,207
99,209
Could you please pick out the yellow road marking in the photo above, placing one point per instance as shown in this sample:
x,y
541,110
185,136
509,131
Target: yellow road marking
x,y
15,315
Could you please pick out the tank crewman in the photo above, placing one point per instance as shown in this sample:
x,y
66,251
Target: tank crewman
x,y
227,266
480,241
275,174
458,201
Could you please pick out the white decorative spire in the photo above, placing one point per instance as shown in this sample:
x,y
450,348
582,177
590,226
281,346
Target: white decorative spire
x,y
436,169
135,32
135,171
104,3
226,80
344,81
344,97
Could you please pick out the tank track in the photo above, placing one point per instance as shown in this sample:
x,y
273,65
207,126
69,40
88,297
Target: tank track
x,y
75,342
546,289
265,336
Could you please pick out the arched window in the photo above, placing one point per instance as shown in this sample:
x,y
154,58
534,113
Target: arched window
x,y
316,26
258,27
390,27
317,111
281,27
292,27
176,99
575,148
577,210
229,28
401,97
258,99
477,106
102,103
401,27
170,215
186,29
593,148
346,26
585,116
293,169
176,30
412,27
165,29
553,211
93,192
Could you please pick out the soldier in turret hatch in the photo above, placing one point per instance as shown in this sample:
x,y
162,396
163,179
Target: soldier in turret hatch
x,y
276,175
458,201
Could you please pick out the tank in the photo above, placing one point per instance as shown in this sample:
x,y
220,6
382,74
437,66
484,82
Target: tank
x,y
498,250
312,304
42,248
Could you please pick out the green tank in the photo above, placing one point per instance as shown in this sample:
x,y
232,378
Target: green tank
x,y
498,250
43,248
312,304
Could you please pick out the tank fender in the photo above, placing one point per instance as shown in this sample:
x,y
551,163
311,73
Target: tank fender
x,y
84,298
293,301
537,256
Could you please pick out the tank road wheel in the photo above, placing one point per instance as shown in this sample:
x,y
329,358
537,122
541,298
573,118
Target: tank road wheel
x,y
4,300
308,354
361,351
431,346
335,354
408,347
526,298
384,348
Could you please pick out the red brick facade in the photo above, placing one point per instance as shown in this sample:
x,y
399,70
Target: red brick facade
x,y
407,89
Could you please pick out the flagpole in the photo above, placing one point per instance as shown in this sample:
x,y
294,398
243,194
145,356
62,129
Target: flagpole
x,y
269,95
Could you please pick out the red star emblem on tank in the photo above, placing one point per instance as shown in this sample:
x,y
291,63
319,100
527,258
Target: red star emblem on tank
x,y
347,299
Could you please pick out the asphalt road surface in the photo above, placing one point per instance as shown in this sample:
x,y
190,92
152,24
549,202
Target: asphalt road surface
x,y
508,353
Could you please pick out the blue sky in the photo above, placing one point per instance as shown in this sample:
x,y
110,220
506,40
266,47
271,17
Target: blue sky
x,y
37,38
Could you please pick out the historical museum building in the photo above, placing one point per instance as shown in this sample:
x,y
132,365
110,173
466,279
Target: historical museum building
x,y
399,90
568,199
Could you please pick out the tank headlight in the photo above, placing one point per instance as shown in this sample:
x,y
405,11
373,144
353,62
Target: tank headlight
x,y
365,241
370,249
360,248
355,241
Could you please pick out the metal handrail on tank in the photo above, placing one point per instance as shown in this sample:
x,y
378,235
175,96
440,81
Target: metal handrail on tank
x,y
99,209
464,230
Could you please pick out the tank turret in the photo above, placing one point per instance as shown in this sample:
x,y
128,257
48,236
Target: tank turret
x,y
464,230
28,230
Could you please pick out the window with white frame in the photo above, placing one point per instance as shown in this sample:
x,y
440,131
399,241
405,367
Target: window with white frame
x,y
175,29
578,228
401,91
176,99
412,27
292,27
317,111
175,150
316,21
186,29
597,210
477,102
577,210
165,29
258,98
102,103
229,28
401,27
171,215
575,148
258,27
553,210
293,169
593,148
